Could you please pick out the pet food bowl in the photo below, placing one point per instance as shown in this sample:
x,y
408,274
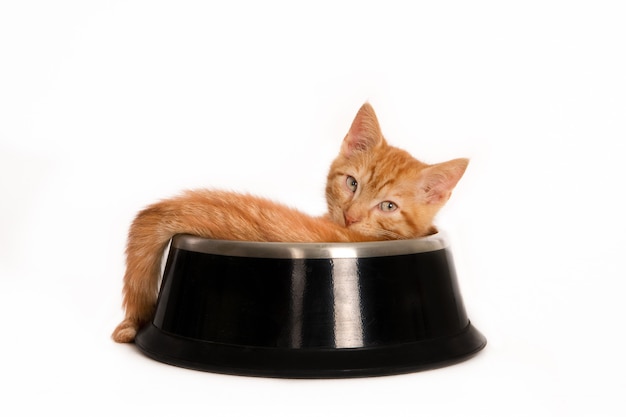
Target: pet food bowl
x,y
310,310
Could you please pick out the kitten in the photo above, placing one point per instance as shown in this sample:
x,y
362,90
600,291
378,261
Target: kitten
x,y
374,192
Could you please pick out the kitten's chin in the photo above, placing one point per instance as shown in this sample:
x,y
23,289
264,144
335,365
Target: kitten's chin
x,y
337,218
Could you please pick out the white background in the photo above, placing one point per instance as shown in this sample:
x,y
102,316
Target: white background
x,y
106,107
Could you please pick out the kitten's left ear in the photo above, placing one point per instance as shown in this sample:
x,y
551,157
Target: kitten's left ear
x,y
364,133
437,181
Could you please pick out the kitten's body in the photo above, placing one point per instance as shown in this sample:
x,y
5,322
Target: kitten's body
x,y
374,192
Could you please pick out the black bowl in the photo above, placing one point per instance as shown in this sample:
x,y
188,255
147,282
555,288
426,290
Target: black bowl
x,y
310,310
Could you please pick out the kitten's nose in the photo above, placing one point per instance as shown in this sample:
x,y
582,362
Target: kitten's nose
x,y
349,219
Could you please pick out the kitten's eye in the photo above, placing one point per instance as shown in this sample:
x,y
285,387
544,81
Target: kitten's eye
x,y
352,183
388,206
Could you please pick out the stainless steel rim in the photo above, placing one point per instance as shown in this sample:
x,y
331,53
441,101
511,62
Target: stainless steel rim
x,y
289,250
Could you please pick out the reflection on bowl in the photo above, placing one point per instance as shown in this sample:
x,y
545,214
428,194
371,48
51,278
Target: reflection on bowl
x,y
308,310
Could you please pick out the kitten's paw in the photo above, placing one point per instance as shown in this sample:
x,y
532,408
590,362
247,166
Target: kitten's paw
x,y
125,332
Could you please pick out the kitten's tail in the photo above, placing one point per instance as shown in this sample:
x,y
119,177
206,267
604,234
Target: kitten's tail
x,y
148,237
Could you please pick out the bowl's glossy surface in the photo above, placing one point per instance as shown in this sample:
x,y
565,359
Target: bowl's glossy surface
x,y
310,310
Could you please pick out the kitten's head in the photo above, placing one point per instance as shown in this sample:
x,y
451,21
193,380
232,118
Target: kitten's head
x,y
382,191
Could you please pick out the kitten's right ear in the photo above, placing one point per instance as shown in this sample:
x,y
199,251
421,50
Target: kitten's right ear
x,y
364,134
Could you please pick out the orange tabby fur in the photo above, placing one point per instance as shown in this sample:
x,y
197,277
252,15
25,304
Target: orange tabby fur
x,y
374,192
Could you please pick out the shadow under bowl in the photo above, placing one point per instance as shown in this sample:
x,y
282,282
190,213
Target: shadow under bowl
x,y
310,310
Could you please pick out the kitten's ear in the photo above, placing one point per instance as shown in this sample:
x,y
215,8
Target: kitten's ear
x,y
437,181
364,133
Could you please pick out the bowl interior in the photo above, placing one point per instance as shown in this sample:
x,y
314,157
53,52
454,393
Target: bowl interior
x,y
293,250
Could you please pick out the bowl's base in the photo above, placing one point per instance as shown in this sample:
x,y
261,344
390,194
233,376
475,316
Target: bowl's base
x,y
309,362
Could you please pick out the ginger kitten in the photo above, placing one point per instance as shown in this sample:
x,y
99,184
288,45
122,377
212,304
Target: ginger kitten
x,y
374,191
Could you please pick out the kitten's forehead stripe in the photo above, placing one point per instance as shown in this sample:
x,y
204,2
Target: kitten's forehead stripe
x,y
388,182
373,172
284,250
